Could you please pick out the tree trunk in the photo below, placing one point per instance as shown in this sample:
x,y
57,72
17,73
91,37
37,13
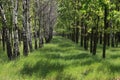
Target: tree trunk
x,y
29,27
35,19
85,38
30,37
95,36
91,41
108,39
15,29
8,43
101,38
105,28
25,27
3,37
82,33
112,40
41,26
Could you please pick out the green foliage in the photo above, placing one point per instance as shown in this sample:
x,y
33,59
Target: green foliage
x,y
70,11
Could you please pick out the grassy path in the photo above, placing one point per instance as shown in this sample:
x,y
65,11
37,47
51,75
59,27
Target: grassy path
x,y
61,60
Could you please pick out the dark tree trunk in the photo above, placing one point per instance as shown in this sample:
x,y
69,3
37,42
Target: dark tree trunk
x,y
82,33
101,38
8,43
85,38
116,39
77,34
105,28
112,40
20,36
35,35
91,41
95,36
108,39
25,28
3,37
95,41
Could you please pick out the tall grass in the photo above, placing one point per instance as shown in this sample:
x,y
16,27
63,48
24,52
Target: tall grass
x,y
61,60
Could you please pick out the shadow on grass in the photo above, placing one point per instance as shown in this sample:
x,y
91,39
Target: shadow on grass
x,y
114,68
77,56
44,67
81,59
41,68
62,76
115,56
115,50
52,49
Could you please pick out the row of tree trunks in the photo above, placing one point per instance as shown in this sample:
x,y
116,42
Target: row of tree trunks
x,y
44,21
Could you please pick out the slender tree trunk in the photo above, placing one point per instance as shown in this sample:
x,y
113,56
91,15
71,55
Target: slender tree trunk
x,y
77,35
41,26
101,38
108,39
95,36
117,39
105,28
35,19
8,43
112,40
95,41
50,23
91,41
82,33
25,28
19,36
85,38
0,37
3,37
15,29
29,27
30,37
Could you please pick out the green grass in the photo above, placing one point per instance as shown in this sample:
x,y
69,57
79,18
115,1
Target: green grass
x,y
61,60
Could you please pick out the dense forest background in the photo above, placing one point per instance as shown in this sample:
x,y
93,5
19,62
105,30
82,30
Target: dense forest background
x,y
88,27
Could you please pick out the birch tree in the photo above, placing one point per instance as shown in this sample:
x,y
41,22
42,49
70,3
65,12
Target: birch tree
x,y
15,28
25,27
8,43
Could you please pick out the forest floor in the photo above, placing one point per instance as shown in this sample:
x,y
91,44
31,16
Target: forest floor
x,y
62,60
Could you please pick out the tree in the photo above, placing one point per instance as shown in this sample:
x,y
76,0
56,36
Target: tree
x,y
8,43
25,27
15,28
